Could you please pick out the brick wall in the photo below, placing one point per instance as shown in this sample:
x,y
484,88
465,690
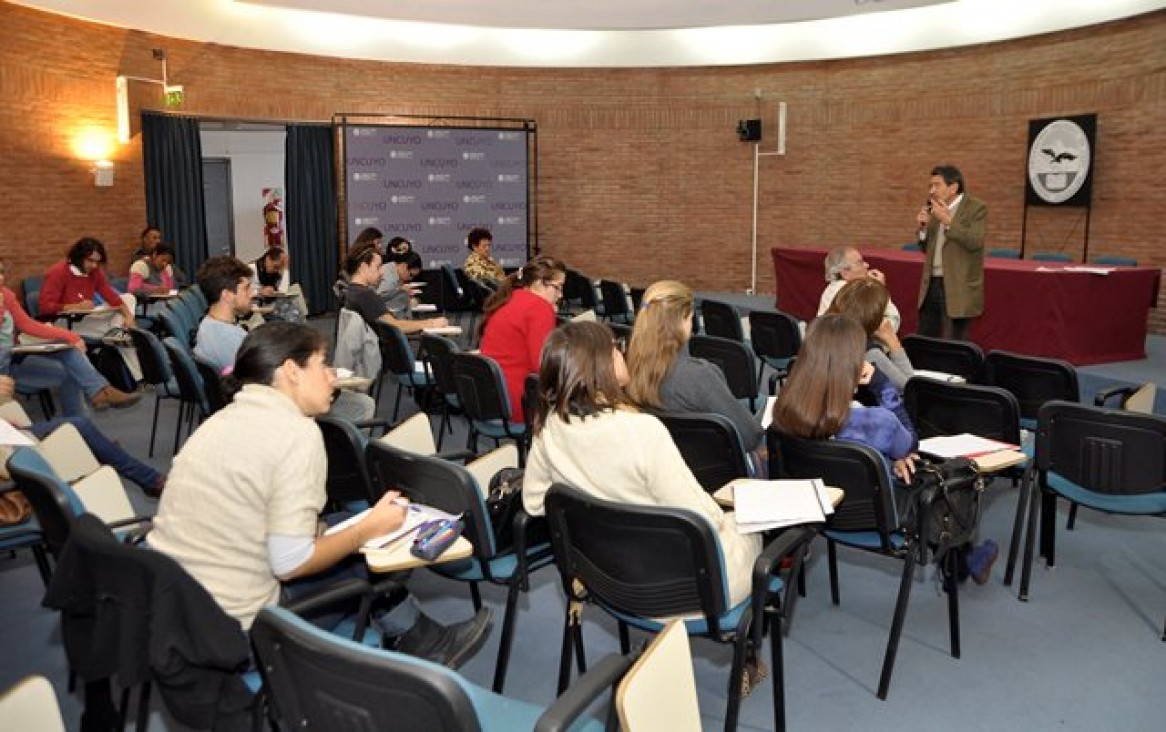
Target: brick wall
x,y
641,173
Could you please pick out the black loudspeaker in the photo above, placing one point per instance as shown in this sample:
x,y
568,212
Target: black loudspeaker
x,y
749,130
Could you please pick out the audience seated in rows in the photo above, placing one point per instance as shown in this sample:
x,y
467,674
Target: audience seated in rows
x,y
363,267
816,404
226,283
845,264
583,416
663,374
74,377
517,319
242,505
866,301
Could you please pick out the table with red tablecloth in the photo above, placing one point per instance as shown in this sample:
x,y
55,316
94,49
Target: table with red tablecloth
x,y
1035,308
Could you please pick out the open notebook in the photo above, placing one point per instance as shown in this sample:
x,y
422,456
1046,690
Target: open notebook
x,y
761,505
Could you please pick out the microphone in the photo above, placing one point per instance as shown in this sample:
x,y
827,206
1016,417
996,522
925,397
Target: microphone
x,y
927,206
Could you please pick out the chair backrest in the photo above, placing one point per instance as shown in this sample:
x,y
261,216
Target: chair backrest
x,y
621,332
32,705
176,323
1032,380
116,598
912,247
396,354
659,691
187,315
578,289
678,567
348,478
732,358
857,469
435,482
1111,451
437,352
1115,260
54,502
212,384
531,387
152,357
961,358
1051,257
774,335
190,386
1004,253
944,408
710,446
722,320
319,680
637,295
480,387
197,299
31,287
615,300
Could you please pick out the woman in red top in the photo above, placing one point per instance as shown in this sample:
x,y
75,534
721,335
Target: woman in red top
x,y
518,317
73,375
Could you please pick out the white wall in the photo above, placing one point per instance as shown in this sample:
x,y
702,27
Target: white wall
x,y
257,162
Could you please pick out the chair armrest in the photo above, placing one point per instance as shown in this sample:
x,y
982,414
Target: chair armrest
x,y
336,593
580,695
522,522
1105,395
788,543
370,424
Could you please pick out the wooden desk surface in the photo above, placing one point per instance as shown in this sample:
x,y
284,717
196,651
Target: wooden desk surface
x,y
397,557
996,461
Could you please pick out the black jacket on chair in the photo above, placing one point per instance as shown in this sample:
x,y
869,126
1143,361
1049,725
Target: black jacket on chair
x,y
136,614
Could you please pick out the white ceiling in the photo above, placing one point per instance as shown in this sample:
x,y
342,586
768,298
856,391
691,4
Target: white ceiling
x,y
598,33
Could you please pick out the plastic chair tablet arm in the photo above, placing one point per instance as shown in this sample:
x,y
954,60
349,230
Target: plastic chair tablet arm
x,y
580,695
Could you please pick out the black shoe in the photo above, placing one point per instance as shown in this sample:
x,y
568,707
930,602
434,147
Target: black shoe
x,y
449,645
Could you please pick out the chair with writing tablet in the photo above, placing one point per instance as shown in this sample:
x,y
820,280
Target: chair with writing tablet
x,y
679,572
615,302
461,490
957,358
868,520
482,393
399,362
437,355
659,691
722,320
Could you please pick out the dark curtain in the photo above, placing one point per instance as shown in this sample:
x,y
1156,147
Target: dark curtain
x,y
311,212
172,156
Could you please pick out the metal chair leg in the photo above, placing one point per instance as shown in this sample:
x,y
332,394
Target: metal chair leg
x,y
507,640
897,623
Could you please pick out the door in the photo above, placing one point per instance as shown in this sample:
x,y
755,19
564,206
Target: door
x,y
220,216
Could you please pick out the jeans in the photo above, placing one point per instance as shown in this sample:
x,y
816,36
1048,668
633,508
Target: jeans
x,y
74,376
104,449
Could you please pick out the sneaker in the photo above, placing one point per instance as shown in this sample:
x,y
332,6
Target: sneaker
x,y
110,397
981,559
449,645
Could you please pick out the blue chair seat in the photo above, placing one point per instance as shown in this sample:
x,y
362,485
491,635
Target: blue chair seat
x,y
1145,504
494,428
726,623
20,536
866,539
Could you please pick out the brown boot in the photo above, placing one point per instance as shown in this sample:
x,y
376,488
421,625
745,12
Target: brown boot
x,y
110,397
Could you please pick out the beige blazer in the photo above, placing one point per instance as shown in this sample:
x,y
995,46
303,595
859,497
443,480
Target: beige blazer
x,y
963,259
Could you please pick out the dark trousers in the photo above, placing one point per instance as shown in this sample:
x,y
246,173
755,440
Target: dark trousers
x,y
933,318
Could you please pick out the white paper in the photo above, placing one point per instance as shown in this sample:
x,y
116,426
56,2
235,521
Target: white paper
x,y
416,515
770,504
767,417
964,445
1089,270
424,307
445,330
9,435
940,376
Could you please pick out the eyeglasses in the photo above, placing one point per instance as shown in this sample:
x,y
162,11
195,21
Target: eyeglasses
x,y
557,285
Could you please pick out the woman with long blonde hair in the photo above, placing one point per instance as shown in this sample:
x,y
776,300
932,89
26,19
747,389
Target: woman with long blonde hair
x,y
663,374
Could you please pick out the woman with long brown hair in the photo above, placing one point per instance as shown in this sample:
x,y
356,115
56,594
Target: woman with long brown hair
x,y
586,435
517,319
663,374
866,301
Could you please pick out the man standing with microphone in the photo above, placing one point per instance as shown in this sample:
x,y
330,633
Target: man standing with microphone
x,y
952,225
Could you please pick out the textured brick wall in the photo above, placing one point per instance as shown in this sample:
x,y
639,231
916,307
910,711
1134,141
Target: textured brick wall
x,y
641,173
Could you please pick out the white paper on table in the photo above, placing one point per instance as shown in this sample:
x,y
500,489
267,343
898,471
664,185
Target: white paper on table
x,y
771,504
417,514
9,435
1089,270
963,445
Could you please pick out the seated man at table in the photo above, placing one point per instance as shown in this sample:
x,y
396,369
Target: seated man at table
x,y
152,274
845,264
270,277
396,274
226,283
363,267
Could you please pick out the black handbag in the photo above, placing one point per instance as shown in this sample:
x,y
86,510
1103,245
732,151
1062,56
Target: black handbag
x,y
502,503
944,505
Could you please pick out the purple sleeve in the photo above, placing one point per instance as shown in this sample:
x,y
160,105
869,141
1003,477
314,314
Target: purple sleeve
x,y
879,428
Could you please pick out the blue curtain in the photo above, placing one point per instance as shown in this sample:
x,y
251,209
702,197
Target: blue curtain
x,y
172,157
313,245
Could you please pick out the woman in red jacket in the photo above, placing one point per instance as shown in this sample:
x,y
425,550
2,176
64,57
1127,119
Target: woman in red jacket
x,y
74,376
518,317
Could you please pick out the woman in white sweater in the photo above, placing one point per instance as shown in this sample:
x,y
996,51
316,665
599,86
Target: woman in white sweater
x,y
587,436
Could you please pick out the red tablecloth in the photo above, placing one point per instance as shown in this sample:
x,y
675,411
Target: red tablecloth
x,y
1081,317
